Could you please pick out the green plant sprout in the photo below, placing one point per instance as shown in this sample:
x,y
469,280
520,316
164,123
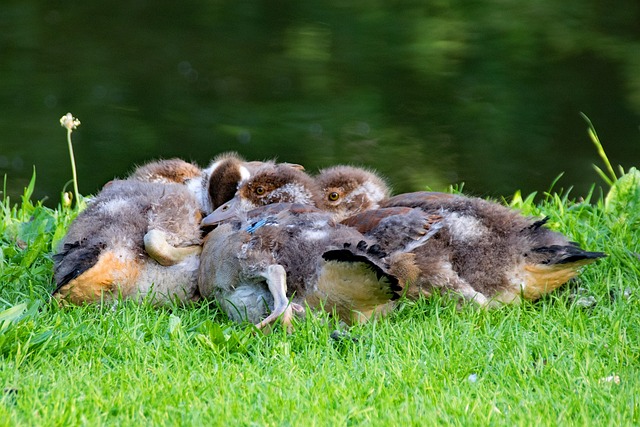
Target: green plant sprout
x,y
596,141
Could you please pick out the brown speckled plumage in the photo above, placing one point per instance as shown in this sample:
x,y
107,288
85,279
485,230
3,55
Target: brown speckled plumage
x,y
166,171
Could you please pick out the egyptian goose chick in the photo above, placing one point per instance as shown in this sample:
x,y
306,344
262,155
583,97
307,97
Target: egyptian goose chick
x,y
135,238
253,266
270,183
483,251
142,234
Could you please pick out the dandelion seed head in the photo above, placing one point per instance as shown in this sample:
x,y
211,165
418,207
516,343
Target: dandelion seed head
x,y
69,122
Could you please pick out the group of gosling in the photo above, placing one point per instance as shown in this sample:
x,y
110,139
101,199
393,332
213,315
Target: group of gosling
x,y
268,241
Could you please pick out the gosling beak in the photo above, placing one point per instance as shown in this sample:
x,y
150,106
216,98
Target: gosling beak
x,y
294,166
223,213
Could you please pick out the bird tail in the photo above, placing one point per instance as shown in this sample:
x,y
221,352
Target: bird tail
x,y
560,264
72,261
568,254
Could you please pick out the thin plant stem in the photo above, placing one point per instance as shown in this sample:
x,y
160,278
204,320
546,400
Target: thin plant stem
x,y
73,167
70,123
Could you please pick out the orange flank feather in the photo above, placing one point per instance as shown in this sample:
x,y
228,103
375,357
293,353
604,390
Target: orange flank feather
x,y
352,290
105,279
544,278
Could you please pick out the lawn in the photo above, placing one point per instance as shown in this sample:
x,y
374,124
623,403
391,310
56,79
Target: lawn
x,y
571,358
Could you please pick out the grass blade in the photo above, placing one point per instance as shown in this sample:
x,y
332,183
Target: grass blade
x,y
596,141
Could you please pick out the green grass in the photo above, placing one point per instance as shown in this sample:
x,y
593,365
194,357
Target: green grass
x,y
553,362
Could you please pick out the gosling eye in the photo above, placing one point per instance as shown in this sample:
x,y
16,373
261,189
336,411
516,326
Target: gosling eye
x,y
333,196
259,191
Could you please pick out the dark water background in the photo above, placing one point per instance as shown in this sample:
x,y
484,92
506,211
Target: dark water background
x,y
430,93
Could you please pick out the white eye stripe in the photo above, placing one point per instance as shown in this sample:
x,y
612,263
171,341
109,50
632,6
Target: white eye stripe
x,y
244,173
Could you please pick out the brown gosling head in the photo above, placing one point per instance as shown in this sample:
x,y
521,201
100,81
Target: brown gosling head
x,y
348,190
271,183
221,178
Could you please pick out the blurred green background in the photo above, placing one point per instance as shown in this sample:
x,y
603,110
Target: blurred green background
x,y
429,93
